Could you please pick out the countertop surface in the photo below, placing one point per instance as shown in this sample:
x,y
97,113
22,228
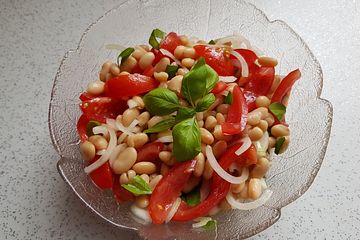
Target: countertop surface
x,y
35,203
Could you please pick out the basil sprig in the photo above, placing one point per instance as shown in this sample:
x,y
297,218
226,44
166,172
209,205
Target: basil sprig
x,y
184,113
278,109
155,34
205,102
171,70
211,42
161,101
278,145
210,225
125,55
229,98
138,186
89,127
192,198
162,126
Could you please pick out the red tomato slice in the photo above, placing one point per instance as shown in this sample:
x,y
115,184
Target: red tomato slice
x,y
219,87
121,194
149,71
249,56
170,42
260,80
129,85
149,152
100,108
237,115
102,176
81,127
86,96
247,158
285,85
250,100
158,56
168,189
216,59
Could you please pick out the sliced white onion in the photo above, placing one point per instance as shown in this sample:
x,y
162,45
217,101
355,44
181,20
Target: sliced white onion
x,y
113,46
166,139
244,65
141,213
128,130
122,138
265,196
201,221
101,152
105,157
221,172
244,41
170,55
262,145
132,103
115,153
173,210
111,123
227,79
100,130
245,146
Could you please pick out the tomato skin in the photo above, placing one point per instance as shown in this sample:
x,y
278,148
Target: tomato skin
x,y
260,80
168,189
170,42
129,85
100,108
102,176
149,152
219,87
250,98
216,59
149,71
247,158
285,85
249,56
86,96
81,127
158,56
237,114
120,193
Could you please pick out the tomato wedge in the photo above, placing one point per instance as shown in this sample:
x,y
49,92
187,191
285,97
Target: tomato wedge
x,y
285,85
219,87
121,194
247,158
237,114
170,42
102,176
100,108
81,127
249,56
216,59
86,96
168,189
149,71
260,80
149,152
129,85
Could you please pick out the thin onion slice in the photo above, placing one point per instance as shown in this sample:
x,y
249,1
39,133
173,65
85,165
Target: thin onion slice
x,y
111,123
141,213
173,210
201,221
170,55
132,103
119,148
165,139
128,130
100,130
265,196
101,152
221,172
227,79
245,146
244,65
105,157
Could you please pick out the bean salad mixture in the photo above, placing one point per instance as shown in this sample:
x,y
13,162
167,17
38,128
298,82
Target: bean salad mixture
x,y
185,128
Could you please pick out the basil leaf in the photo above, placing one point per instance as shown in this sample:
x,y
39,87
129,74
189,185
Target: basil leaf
x,y
187,142
124,55
184,113
210,225
278,109
229,98
89,127
205,102
171,70
156,33
161,101
138,186
278,145
192,198
212,42
162,126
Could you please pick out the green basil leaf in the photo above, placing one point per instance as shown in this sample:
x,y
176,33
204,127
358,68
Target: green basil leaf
x,y
205,102
212,42
161,101
156,33
124,55
184,113
171,70
89,127
210,225
278,109
138,186
278,145
229,98
192,198
161,126
187,141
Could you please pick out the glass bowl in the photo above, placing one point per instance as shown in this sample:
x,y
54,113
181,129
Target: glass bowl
x,y
308,115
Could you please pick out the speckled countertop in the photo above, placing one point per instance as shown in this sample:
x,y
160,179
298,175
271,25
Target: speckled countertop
x,y
35,202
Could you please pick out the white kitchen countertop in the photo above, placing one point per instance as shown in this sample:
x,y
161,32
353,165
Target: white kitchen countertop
x,y
35,203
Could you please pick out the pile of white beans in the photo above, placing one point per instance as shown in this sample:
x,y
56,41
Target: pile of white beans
x,y
259,122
